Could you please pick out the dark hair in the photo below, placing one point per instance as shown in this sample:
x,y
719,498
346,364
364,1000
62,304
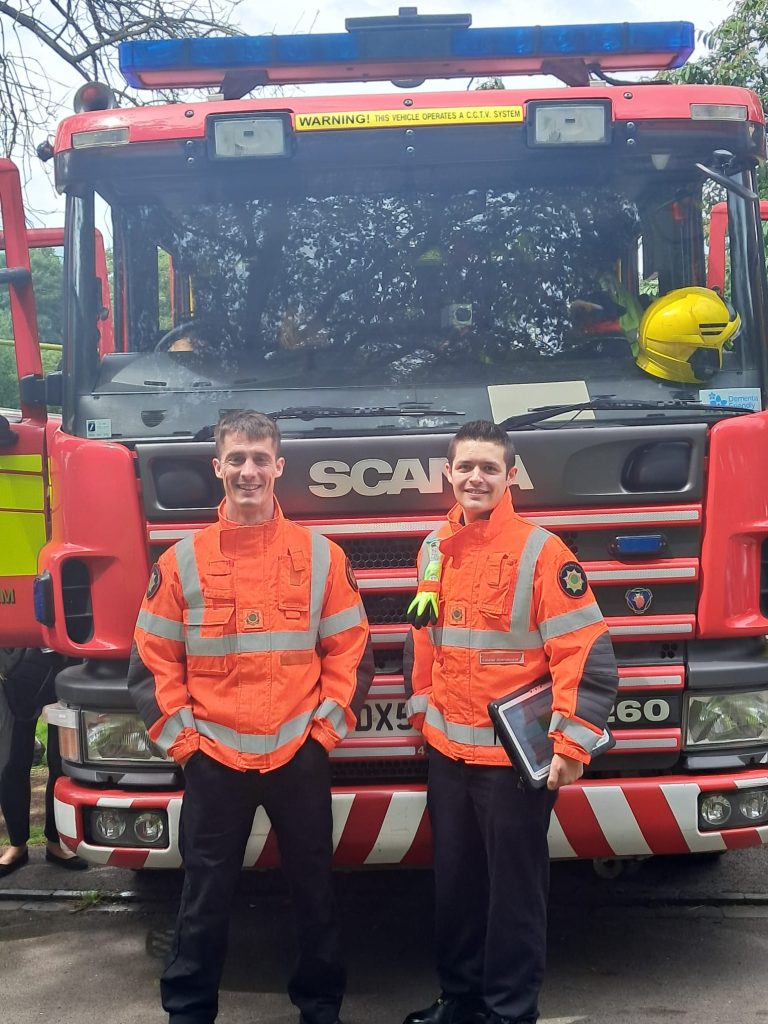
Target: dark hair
x,y
484,430
253,425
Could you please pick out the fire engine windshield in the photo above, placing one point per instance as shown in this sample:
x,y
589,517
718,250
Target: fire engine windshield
x,y
388,296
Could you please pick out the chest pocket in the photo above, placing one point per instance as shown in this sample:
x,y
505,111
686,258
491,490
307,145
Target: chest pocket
x,y
208,627
293,589
496,586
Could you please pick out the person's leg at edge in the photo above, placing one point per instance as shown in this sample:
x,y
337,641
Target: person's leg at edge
x,y
515,821
297,798
461,882
15,789
216,819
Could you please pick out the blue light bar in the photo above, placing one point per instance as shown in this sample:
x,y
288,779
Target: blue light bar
x,y
404,52
639,545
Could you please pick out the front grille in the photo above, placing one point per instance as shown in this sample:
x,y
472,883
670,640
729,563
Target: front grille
x,y
76,595
388,661
570,539
380,552
669,650
349,773
386,609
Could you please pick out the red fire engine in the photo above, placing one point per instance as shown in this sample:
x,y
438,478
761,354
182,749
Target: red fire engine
x,y
375,270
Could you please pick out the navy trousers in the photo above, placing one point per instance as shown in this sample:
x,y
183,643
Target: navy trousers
x,y
491,884
216,819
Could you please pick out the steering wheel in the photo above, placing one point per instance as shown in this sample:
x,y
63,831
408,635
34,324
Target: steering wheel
x,y
177,332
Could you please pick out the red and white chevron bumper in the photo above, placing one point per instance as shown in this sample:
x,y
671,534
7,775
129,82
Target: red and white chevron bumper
x,y
389,826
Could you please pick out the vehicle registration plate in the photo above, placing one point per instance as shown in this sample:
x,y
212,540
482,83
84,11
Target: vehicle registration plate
x,y
383,717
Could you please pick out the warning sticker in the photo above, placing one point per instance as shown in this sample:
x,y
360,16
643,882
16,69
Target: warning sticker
x,y
407,118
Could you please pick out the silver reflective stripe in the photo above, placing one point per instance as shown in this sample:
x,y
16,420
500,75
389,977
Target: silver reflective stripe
x,y
570,621
337,623
417,704
483,639
519,637
519,625
182,719
585,738
472,735
333,713
424,553
253,743
252,643
249,643
190,580
158,625
321,566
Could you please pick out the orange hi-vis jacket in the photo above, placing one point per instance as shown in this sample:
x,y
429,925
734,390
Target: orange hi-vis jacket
x,y
514,607
249,639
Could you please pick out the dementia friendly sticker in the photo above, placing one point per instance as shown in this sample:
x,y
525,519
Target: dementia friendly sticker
x,y
407,118
732,398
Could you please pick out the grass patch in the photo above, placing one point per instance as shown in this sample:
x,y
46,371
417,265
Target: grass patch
x,y
89,898
37,836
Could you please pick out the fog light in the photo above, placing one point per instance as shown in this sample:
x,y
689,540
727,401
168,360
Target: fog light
x,y
109,824
754,805
149,828
715,809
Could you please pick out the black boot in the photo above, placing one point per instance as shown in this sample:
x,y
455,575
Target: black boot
x,y
450,1010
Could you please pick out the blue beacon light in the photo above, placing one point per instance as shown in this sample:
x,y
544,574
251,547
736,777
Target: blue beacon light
x,y
404,46
639,545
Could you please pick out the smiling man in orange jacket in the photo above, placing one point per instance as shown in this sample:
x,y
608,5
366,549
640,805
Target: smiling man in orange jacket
x,y
508,604
251,661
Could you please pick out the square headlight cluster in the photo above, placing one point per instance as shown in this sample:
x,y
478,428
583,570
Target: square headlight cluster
x,y
727,719
117,736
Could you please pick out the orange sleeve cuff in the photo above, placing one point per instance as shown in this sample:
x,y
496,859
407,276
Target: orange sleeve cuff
x,y
568,749
184,745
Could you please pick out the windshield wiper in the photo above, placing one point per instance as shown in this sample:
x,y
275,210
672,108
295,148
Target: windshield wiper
x,y
319,412
606,402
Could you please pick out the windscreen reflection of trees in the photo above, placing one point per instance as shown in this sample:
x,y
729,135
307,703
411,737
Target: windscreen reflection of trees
x,y
376,280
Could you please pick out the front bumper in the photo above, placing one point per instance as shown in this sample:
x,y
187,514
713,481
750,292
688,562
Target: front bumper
x,y
380,825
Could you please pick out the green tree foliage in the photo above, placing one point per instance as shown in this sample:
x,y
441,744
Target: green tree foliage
x,y
47,280
737,54
736,51
45,42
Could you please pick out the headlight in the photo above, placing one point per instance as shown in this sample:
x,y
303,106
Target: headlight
x,y
727,719
243,137
112,736
569,124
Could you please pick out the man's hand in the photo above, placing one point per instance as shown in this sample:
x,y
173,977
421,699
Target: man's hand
x,y
422,611
563,771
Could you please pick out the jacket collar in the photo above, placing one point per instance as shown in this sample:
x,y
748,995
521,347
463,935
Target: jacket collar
x,y
236,538
483,529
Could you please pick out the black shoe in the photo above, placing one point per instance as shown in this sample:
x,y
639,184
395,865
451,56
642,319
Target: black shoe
x,y
15,864
494,1018
70,863
450,1010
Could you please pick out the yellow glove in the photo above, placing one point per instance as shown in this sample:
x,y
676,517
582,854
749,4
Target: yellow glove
x,y
422,610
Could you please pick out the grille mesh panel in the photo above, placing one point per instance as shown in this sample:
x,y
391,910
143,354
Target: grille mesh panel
x,y
380,552
386,609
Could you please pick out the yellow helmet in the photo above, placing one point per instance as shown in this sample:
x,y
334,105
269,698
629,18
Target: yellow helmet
x,y
682,334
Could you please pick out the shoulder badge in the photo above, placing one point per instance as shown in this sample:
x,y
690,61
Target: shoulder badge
x,y
351,576
155,579
572,579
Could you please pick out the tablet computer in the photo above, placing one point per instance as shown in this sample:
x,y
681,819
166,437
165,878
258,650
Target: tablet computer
x,y
522,722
